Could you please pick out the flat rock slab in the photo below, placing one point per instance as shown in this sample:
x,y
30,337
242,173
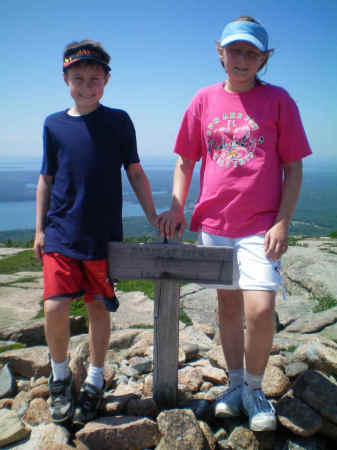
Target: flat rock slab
x,y
292,308
200,303
10,251
135,308
13,277
314,266
18,304
313,322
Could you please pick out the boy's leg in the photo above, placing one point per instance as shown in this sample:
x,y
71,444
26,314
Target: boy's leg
x,y
99,331
56,327
230,316
57,336
62,281
260,324
91,396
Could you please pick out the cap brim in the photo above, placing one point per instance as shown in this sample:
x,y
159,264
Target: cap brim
x,y
243,37
87,58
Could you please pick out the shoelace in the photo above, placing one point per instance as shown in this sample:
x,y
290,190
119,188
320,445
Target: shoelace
x,y
89,400
261,403
58,396
227,391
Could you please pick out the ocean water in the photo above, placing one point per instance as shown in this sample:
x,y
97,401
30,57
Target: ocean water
x,y
18,181
17,215
20,215
316,212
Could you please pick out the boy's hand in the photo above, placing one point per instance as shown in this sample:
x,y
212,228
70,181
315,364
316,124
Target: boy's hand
x,y
39,245
171,223
276,241
153,219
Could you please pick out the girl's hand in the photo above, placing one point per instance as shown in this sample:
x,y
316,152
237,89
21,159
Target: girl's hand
x,y
276,241
39,245
170,223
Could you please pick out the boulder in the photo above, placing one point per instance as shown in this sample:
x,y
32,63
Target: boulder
x,y
12,429
8,386
180,430
120,433
27,362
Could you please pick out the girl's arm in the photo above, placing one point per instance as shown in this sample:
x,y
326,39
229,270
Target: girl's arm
x,y
276,239
42,204
141,186
174,219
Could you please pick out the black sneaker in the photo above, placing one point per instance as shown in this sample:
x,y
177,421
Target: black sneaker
x,y
90,404
61,399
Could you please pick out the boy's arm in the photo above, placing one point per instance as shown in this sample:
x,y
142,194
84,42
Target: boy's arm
x,y
42,204
141,186
276,239
174,219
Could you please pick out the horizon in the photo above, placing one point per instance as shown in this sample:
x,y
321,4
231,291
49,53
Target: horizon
x,y
313,161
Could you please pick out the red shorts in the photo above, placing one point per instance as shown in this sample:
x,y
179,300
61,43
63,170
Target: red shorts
x,y
68,277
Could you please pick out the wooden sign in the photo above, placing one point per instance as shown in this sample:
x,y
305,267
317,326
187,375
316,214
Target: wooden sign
x,y
180,262
168,265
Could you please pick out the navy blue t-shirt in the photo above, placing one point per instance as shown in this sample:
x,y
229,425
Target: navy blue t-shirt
x,y
84,155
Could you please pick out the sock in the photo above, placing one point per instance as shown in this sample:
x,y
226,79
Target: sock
x,y
95,376
253,381
235,377
60,370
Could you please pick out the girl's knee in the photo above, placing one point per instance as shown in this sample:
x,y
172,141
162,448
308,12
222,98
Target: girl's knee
x,y
260,316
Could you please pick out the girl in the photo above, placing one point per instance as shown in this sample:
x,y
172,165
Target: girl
x,y
251,141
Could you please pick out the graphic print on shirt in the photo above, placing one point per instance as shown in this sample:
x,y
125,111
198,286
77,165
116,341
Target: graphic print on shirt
x,y
232,139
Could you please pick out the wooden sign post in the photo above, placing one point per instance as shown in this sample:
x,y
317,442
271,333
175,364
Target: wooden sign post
x,y
168,265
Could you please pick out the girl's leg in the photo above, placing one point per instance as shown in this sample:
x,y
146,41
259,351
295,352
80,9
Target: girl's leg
x,y
260,323
230,315
259,309
230,311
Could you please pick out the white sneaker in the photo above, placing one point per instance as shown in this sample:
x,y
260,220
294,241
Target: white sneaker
x,y
260,411
229,403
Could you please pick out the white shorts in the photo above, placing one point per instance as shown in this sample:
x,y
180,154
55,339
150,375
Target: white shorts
x,y
252,270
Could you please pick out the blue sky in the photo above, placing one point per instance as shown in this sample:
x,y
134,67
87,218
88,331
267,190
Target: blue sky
x,y
162,52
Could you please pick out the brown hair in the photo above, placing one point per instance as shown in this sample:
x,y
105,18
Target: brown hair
x,y
87,44
267,53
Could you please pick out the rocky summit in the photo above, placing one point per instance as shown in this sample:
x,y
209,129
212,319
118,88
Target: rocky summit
x,y
300,379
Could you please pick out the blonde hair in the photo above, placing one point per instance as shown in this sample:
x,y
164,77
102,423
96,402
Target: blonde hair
x,y
266,54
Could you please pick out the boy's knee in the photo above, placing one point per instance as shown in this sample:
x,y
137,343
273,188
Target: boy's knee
x,y
56,306
96,308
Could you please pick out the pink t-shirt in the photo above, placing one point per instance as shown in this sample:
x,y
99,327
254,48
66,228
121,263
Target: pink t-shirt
x,y
242,139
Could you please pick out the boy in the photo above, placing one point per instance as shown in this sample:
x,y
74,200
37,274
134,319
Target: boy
x,y
78,210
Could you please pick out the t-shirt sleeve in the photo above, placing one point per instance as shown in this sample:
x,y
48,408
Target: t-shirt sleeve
x,y
189,140
130,152
49,160
292,140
